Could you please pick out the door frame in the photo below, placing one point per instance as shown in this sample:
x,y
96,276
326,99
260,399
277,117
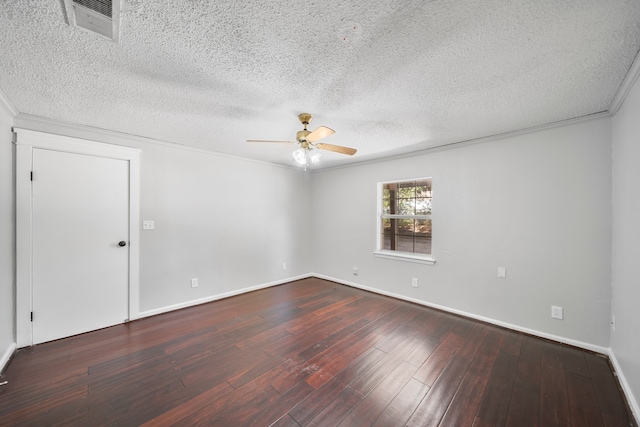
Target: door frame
x,y
26,141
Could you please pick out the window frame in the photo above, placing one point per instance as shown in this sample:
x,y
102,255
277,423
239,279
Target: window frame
x,y
395,254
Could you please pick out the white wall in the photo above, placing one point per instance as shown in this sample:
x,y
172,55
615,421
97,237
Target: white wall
x,y
538,204
7,235
229,222
625,341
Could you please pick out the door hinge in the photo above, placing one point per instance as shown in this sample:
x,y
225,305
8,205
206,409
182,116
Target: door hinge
x,y
31,175
32,316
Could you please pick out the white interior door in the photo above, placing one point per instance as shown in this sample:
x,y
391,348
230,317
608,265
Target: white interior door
x,y
80,206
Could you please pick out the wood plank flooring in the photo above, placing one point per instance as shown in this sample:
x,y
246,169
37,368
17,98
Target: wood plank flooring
x,y
309,353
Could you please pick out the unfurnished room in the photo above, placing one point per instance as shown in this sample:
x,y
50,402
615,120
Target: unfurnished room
x,y
337,213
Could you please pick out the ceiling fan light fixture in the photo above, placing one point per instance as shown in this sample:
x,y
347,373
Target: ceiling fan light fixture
x,y
299,156
315,155
308,153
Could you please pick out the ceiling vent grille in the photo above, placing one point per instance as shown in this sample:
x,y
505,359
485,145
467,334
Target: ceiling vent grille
x,y
96,16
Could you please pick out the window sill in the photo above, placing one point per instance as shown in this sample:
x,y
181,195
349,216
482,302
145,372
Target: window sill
x,y
405,256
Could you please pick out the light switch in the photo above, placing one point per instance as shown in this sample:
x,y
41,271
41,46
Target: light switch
x,y
148,225
502,273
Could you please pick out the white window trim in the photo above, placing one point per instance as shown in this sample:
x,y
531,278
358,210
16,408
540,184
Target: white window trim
x,y
397,255
405,256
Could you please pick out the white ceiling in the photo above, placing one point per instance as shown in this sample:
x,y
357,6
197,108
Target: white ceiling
x,y
389,76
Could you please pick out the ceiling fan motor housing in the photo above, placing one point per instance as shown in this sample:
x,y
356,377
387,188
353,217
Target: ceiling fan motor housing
x,y
301,136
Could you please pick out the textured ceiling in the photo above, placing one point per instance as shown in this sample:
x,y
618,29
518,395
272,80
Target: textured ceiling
x,y
389,76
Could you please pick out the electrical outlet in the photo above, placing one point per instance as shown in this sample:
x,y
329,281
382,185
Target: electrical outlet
x,y
194,282
502,273
355,271
148,224
414,282
284,265
613,323
556,312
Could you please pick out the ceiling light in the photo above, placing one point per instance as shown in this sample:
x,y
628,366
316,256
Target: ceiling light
x,y
299,156
314,155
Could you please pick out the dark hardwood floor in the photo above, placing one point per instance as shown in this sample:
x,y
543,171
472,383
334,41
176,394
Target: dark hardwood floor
x,y
309,353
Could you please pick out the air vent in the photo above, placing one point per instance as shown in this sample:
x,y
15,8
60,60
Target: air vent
x,y
96,16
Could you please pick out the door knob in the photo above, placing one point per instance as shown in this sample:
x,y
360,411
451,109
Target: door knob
x,y
122,243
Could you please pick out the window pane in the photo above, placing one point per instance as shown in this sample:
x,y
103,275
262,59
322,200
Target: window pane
x,y
389,198
387,234
385,206
405,244
422,246
423,206
423,228
386,242
406,207
406,190
406,227
423,188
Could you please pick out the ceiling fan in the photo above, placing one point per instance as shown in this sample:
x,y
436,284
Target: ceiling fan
x,y
307,141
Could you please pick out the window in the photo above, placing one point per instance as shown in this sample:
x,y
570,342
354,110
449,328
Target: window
x,y
404,224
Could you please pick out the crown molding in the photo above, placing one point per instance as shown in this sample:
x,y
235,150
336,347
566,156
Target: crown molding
x,y
464,143
6,104
625,88
43,124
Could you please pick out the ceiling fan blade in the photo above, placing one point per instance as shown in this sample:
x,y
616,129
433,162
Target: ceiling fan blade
x,y
318,134
337,148
268,140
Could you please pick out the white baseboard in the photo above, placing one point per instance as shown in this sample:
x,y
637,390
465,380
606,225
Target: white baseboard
x,y
575,343
633,403
7,356
216,297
